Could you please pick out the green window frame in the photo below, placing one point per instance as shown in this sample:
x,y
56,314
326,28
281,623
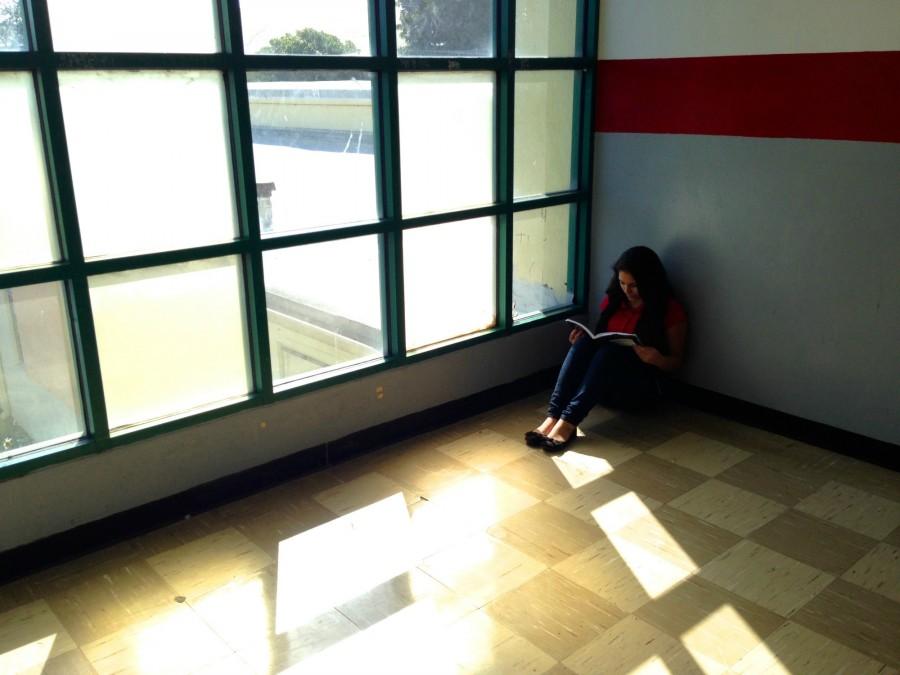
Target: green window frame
x,y
73,271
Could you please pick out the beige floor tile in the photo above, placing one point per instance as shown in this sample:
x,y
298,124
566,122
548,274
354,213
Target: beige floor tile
x,y
361,492
893,538
485,450
870,478
110,601
728,507
683,540
632,647
412,641
208,563
698,453
786,484
61,577
424,471
813,541
230,665
766,577
716,626
643,432
862,620
30,635
852,508
174,641
481,568
468,506
596,417
879,571
621,573
656,478
16,593
545,533
604,503
554,614
186,530
70,663
795,649
536,474
730,432
269,529
391,596
481,645
592,457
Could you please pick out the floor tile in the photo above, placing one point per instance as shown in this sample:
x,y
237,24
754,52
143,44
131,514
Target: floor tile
x,y
795,649
172,642
632,647
766,577
481,645
485,450
481,568
893,538
621,573
423,471
643,432
269,529
656,478
715,625
604,503
186,530
71,663
360,493
30,635
698,453
466,507
854,509
728,507
785,485
591,458
391,596
545,533
554,614
110,601
862,620
537,474
813,541
878,571
677,537
208,563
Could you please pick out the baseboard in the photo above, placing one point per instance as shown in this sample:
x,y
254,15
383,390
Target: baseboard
x,y
854,445
59,548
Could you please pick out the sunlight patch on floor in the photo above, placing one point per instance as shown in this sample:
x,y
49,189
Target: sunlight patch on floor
x,y
29,658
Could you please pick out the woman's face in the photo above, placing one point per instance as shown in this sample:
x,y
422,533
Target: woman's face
x,y
629,287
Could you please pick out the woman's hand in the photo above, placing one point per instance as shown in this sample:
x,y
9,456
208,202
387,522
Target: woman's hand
x,y
649,355
574,334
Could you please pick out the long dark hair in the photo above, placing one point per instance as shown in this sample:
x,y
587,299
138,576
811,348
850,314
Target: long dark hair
x,y
653,284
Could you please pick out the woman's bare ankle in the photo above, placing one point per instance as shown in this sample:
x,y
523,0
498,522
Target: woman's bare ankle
x,y
562,431
547,425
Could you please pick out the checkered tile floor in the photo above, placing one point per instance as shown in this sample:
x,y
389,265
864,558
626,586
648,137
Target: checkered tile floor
x,y
677,542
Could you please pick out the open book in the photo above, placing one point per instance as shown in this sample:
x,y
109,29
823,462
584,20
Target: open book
x,y
624,339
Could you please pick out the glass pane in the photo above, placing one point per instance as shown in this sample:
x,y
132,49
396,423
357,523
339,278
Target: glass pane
x,y
324,306
546,28
541,241
446,141
150,159
172,339
449,281
314,27
12,26
27,233
169,26
313,148
545,103
445,27
39,395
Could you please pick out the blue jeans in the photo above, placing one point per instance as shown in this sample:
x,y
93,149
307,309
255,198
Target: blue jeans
x,y
604,373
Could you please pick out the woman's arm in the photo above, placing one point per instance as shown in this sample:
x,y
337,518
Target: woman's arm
x,y
677,336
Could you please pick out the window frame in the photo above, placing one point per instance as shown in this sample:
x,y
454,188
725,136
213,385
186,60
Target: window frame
x,y
44,64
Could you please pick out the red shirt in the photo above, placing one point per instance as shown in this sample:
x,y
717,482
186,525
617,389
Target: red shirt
x,y
626,317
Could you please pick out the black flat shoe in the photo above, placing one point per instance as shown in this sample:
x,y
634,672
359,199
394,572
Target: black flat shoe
x,y
553,445
534,439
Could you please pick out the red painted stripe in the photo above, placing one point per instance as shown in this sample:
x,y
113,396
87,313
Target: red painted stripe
x,y
846,96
